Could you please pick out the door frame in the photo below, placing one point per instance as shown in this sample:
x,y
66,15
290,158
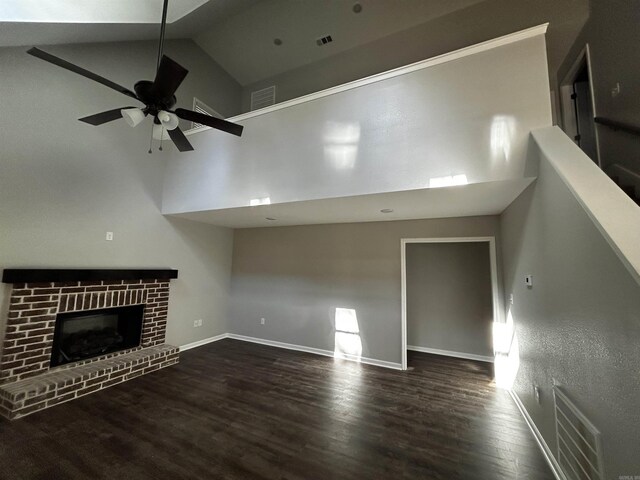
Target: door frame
x,y
495,292
569,124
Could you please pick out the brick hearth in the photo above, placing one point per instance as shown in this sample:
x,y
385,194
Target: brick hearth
x,y
60,385
28,383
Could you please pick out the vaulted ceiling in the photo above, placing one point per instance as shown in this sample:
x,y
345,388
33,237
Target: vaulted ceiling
x,y
259,39
244,44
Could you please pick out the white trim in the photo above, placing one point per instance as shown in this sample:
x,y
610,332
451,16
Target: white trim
x,y
315,351
199,343
544,448
449,353
495,293
396,72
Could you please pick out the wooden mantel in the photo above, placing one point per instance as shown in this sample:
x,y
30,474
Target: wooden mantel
x,y
39,275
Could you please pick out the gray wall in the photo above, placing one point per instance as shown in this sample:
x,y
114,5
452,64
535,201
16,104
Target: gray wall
x,y
612,34
483,21
63,184
579,324
296,277
449,298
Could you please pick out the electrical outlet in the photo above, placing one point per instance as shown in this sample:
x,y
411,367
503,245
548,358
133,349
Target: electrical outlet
x,y
109,236
511,299
528,281
197,323
262,321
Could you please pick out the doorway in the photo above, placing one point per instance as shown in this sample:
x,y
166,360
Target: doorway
x,y
457,288
578,106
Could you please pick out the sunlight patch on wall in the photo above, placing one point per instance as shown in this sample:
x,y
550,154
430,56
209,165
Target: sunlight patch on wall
x,y
503,130
507,352
347,334
448,181
341,144
260,201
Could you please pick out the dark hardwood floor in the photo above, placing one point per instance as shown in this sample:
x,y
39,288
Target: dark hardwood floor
x,y
235,410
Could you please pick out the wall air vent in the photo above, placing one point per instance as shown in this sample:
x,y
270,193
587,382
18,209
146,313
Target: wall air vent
x,y
579,448
201,107
324,40
263,98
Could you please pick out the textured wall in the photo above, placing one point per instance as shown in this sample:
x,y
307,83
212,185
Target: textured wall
x,y
296,277
63,183
579,324
449,298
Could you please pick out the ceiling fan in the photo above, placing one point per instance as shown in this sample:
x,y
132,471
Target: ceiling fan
x,y
158,97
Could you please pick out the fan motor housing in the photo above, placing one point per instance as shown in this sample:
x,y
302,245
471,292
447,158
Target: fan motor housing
x,y
143,91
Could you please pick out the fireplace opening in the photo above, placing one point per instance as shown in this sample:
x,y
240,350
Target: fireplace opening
x,y
92,333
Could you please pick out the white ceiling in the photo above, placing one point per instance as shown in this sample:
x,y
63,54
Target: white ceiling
x,y
243,44
96,11
490,198
20,33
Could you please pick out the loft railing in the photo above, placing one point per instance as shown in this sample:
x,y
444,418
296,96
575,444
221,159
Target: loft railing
x,y
615,125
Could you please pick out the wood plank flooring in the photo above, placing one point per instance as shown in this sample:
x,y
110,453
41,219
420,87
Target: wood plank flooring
x,y
235,410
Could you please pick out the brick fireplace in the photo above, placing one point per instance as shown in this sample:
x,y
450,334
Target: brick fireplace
x,y
28,382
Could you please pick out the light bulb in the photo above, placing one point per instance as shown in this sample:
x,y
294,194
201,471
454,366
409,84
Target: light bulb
x,y
169,120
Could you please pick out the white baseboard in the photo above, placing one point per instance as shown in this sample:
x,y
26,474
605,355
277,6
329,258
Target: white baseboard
x,y
448,353
546,451
199,343
316,351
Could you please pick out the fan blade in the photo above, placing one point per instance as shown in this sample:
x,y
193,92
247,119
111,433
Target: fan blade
x,y
47,57
168,78
180,140
103,117
210,121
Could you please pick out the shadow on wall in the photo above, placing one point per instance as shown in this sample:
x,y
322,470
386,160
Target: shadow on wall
x,y
347,343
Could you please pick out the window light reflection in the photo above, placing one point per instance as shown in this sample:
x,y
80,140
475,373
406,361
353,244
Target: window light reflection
x,y
347,342
507,352
503,129
448,181
341,144
260,201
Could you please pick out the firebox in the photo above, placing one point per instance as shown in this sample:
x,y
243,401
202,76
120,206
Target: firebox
x,y
93,333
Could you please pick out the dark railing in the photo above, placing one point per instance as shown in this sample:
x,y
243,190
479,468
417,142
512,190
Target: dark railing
x,y
615,125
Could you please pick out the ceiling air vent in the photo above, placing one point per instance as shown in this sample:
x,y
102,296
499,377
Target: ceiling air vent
x,y
324,40
263,98
201,107
579,449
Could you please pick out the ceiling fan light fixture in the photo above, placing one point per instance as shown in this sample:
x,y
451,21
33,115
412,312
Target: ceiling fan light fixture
x,y
158,96
169,120
133,116
160,132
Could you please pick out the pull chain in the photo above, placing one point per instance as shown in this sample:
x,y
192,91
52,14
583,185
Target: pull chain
x,y
151,140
